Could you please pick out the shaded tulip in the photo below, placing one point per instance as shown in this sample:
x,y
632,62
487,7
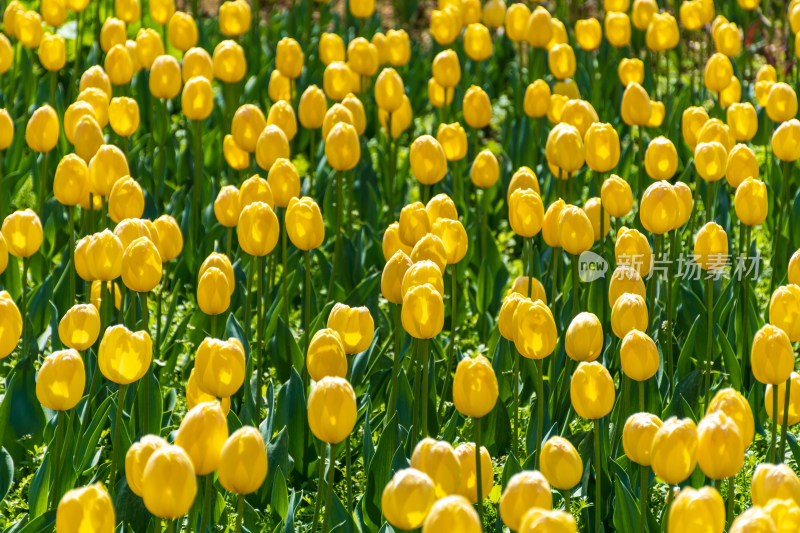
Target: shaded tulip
x,y
392,242
786,141
87,509
478,42
126,200
197,99
356,108
580,114
632,249
331,48
526,490
659,208
332,410
781,102
137,457
466,456
561,465
141,266
692,508
674,450
720,448
123,115
741,165
169,483
124,356
430,248
289,58
591,391
214,291
454,237
584,338
280,87
41,131
638,435
661,159
304,223
475,388
718,73
535,334
784,307
453,140
561,61
523,178
220,366
441,206
444,27
243,461
438,460
751,202
714,130
711,247
423,311
28,26
104,256
630,70
710,160
629,313
112,33
452,512
537,99
550,521
592,210
342,147
734,405
625,280
407,498
785,514
234,18
685,203
589,34
771,356
575,232
165,77
53,52
106,167
477,108
428,161
550,227
161,11
398,47
485,170
692,121
657,112
526,212
229,62
774,482
6,129
662,33
202,434
505,319
282,115
79,327
182,31
170,239
564,149
732,94
23,234
354,325
617,196
326,355
522,287
601,143
61,380
636,107
422,273
617,28
226,206
392,277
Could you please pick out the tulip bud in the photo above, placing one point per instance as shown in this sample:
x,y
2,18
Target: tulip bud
x,y
584,339
633,250
630,70
561,465
289,58
635,105
616,196
453,140
774,482
529,489
141,266
236,158
591,390
182,31
526,212
691,507
197,99
284,182
485,170
786,141
356,108
537,99
477,108
248,123
326,355
454,237
304,223
618,29
79,327
312,108
428,161
52,51
229,62
422,273
169,484
781,103
234,18
466,457
61,380
161,11
575,232
332,410
580,114
407,498
784,306
392,276
398,47
214,291
444,27
628,313
430,248
331,48
282,115
626,280
589,34
272,145
475,389
772,357
659,208
342,147
88,509
661,159
793,417
711,247
29,29
362,57
124,356
710,160
693,120
220,366
392,242
438,460
354,325
136,460
602,147
751,202
441,206
535,334
638,435
243,461
107,167
423,311
41,132
54,12
564,149
452,512
202,434
720,449
662,33
718,73
478,42
126,200
561,61
639,356
522,286
741,165
22,231
732,94
674,450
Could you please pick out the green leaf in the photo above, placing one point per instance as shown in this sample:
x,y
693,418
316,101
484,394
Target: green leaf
x,y
731,361
280,495
625,509
39,489
6,473
292,413
379,472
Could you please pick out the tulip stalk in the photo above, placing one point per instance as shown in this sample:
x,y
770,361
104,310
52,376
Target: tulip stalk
x,y
26,261
328,490
670,304
206,502
710,336
71,224
478,473
307,307
539,410
644,490
240,512
337,245
320,480
398,344
575,296
259,332
598,489
451,347
197,186
285,280
778,259
43,182
774,439
652,289
56,458
112,477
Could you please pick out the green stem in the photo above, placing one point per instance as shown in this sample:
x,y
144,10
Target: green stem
x,y
26,261
597,477
575,295
259,333
197,186
731,497
515,390
390,164
349,474
337,246
774,440
777,255
710,336
328,490
641,397
171,526
451,347
285,281
146,378
320,478
240,512
484,220
417,390
643,496
670,305
652,289
229,243
398,328
162,160
307,310
539,410
56,459
204,518
43,188
425,385
785,422
115,443
71,225
478,473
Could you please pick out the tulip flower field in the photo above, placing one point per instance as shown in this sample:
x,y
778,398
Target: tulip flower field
x,y
459,266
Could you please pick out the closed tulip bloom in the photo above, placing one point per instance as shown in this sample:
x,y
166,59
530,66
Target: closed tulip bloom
x,y
485,170
661,159
247,125
331,48
785,514
226,206
639,356
692,121
162,10
691,15
526,212
523,178
392,276
430,248
362,56
165,78
478,42
272,145
337,80
454,237
505,319
584,338
126,200
559,35
711,247
220,366
13,9
529,489
561,61
54,12
630,70
786,141
354,325
284,182
304,223
243,461
258,228
280,87
41,132
447,69
197,100
453,140
494,13
214,291
659,208
398,47
685,203
657,112
389,90
441,206
718,73
774,482
784,308
589,34
124,356
71,180
289,58
422,273
643,11
591,390
751,202
6,129
104,256
628,313
123,115
326,355
592,210
195,395
170,239
601,143
635,105
734,405
392,242
692,508
781,102
617,29
561,465
720,449
753,520
617,196
516,21
732,94
428,160
548,521
282,115
444,27
741,165
131,229
477,108
29,29
632,249
10,324
710,160
423,311
742,121
662,33
87,509
452,512
626,280
3,254
202,434
535,334
793,417
564,149
575,232
52,52
137,457
332,410
234,18
98,100
638,435
169,482
81,261
61,380
550,226
22,231
714,130
141,266
356,108
475,388
312,107
107,167
466,457
182,31
79,327
521,286
407,498
229,62
674,450
342,148
537,99
539,30
112,33
580,114
438,460
119,65
771,356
